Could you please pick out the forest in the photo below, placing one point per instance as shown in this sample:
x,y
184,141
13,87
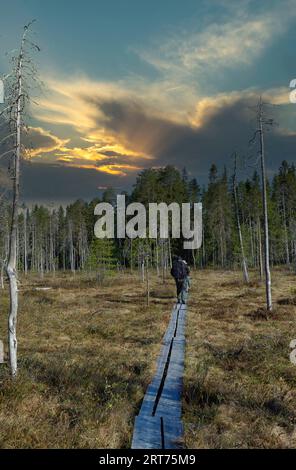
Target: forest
x,y
62,238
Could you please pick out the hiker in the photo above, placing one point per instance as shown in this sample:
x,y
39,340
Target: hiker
x,y
179,273
187,282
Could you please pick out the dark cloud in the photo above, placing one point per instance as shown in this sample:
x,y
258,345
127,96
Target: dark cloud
x,y
37,138
34,138
45,182
225,129
143,131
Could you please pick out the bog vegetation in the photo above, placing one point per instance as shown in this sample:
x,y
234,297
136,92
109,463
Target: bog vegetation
x,y
87,353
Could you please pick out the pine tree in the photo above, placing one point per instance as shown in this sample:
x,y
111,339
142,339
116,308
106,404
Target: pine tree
x,y
102,259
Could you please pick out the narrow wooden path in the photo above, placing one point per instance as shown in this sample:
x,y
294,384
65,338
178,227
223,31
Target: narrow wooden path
x,y
159,425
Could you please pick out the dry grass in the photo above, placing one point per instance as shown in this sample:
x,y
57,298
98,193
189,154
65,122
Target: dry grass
x,y
240,386
88,352
86,356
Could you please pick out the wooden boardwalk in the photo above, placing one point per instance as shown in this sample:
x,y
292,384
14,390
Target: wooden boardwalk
x,y
159,425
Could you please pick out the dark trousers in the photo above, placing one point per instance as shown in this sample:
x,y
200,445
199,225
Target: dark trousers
x,y
179,285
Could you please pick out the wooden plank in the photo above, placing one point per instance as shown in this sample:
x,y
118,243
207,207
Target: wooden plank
x,y
167,406
147,433
173,433
150,395
170,400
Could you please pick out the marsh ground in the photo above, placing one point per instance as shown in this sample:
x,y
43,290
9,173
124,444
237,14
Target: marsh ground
x,y
240,386
87,353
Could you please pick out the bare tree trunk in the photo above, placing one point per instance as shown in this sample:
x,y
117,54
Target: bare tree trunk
x,y
157,260
260,249
162,261
25,243
3,263
203,257
131,258
244,262
265,213
16,107
252,242
71,247
147,281
41,266
194,259
286,232
170,252
222,250
12,256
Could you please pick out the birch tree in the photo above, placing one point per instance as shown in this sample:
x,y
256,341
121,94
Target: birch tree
x,y
262,121
265,210
16,104
244,262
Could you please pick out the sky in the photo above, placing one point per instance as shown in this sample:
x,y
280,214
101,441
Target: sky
x,y
128,85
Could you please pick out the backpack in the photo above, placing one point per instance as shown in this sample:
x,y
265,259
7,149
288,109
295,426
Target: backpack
x,y
178,270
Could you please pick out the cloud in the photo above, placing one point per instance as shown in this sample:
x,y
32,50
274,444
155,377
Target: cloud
x,y
209,106
91,158
101,149
237,40
217,125
227,128
127,136
121,127
39,141
60,184
125,133
115,129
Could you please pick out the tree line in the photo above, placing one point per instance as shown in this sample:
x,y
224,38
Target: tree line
x,y
51,239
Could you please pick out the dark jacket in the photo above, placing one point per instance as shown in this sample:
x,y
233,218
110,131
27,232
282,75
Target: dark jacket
x,y
178,270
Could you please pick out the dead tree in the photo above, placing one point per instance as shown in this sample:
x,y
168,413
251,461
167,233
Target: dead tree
x,y
260,248
147,281
263,122
236,208
25,242
16,100
3,233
